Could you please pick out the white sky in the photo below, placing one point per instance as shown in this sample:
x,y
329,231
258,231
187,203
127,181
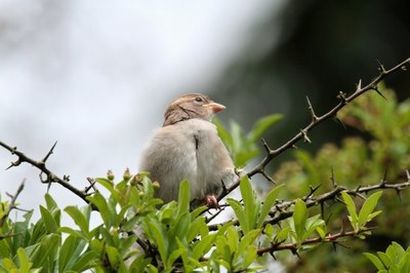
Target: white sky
x,y
96,76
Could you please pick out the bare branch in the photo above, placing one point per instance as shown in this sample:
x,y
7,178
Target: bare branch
x,y
46,175
12,203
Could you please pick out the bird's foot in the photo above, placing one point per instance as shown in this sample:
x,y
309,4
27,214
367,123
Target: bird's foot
x,y
211,201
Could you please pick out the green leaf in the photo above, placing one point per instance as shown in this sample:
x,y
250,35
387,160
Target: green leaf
x,y
351,208
299,218
232,238
223,134
115,193
69,252
239,212
203,246
248,240
113,256
154,230
375,260
24,261
249,201
237,137
385,259
81,220
196,227
86,261
51,204
183,198
47,250
395,251
368,208
282,235
106,212
48,220
267,205
262,125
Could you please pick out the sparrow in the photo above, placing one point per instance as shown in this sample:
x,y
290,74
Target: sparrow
x,y
187,146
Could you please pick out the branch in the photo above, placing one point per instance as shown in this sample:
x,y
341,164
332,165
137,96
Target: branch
x,y
293,247
344,99
46,175
12,203
282,209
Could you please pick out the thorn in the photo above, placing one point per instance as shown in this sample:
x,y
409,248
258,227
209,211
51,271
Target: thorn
x,y
224,189
334,246
381,66
399,195
269,178
49,152
92,182
360,195
312,191
305,136
312,111
322,210
294,146
384,179
295,252
408,175
342,97
273,255
403,67
340,122
266,146
376,89
333,179
359,85
14,164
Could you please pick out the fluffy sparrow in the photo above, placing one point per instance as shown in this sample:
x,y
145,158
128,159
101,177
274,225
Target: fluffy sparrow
x,y
187,146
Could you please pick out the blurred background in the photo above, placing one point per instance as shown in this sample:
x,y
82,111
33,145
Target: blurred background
x,y
96,76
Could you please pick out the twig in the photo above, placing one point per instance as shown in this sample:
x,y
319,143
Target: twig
x,y
50,177
12,203
293,247
282,209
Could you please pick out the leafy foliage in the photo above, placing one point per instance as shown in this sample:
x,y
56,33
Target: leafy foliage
x,y
394,260
133,231
358,160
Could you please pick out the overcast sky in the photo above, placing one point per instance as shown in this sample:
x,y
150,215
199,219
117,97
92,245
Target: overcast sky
x,y
96,76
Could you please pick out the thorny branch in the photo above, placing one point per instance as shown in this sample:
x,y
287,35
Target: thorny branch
x,y
280,211
12,203
344,99
46,175
283,209
293,247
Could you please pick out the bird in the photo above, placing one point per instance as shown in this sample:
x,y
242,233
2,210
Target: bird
x,y
187,147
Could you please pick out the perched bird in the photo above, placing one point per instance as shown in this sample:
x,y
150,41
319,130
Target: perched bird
x,y
187,146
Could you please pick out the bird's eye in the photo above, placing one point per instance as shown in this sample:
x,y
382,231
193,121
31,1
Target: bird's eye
x,y
199,99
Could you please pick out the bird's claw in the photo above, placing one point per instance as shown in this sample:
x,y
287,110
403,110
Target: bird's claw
x,y
211,201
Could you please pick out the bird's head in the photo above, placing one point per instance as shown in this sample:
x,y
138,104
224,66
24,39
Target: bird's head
x,y
190,106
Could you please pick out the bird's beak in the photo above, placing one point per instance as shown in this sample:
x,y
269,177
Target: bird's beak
x,y
214,107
